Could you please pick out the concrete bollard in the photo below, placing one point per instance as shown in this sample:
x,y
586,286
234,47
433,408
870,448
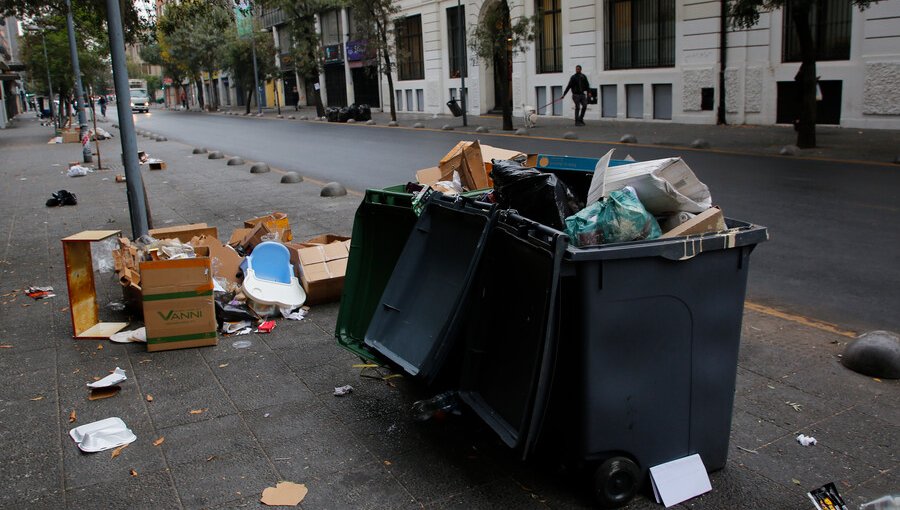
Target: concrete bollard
x,y
235,161
333,189
291,178
259,168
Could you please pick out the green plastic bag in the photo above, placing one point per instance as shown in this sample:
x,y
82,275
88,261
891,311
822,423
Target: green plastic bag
x,y
618,218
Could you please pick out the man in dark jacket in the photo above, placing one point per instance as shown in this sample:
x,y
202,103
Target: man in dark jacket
x,y
581,90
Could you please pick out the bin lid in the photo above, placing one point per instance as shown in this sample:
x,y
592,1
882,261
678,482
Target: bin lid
x,y
511,334
416,321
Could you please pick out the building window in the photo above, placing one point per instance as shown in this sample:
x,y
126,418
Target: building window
x,y
456,22
410,57
830,21
548,36
331,27
640,34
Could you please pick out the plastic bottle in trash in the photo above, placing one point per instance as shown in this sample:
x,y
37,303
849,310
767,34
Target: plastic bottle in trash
x,y
437,405
887,502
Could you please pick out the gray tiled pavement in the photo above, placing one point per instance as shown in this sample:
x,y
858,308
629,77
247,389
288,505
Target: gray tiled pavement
x,y
268,410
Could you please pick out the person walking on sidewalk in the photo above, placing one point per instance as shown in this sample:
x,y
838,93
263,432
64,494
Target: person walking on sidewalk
x,y
102,102
581,91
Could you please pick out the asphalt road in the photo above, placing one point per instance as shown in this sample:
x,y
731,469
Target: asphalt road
x,y
834,246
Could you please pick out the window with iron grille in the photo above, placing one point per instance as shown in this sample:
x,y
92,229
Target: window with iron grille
x,y
410,57
830,21
640,34
456,22
548,38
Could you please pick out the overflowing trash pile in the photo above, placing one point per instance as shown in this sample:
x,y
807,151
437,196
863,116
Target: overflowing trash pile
x,y
595,201
355,112
190,286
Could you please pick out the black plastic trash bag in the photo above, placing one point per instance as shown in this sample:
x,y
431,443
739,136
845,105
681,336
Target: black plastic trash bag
x,y
343,114
536,195
365,113
353,112
332,113
62,197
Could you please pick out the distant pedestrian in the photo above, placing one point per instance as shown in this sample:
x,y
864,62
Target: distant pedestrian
x,y
184,100
581,91
102,102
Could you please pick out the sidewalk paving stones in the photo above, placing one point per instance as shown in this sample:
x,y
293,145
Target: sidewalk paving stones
x,y
267,412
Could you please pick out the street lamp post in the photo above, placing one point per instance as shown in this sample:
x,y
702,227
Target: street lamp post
x,y
49,82
79,90
256,73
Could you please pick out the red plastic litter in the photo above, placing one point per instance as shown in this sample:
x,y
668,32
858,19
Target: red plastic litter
x,y
266,327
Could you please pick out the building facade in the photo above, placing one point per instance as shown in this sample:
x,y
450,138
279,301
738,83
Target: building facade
x,y
12,92
656,60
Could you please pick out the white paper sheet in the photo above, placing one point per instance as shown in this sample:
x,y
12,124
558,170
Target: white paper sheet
x,y
679,480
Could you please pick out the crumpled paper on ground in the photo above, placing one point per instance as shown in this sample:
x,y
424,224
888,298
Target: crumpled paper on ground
x,y
112,379
124,337
340,391
78,171
806,440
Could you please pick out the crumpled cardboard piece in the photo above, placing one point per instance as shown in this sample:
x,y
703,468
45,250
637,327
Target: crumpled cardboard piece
x,y
284,494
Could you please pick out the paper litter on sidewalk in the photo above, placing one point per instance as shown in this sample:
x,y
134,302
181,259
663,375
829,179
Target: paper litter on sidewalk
x,y
340,391
284,494
112,379
679,480
126,337
40,292
806,440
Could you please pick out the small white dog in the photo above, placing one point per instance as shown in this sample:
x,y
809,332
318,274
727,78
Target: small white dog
x,y
529,113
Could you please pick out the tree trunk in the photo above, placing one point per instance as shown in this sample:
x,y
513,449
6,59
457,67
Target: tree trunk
x,y
387,69
213,102
806,77
199,83
249,98
505,93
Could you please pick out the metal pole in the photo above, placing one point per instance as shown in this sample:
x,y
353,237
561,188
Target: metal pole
x,y
462,61
133,180
79,90
96,138
255,73
49,82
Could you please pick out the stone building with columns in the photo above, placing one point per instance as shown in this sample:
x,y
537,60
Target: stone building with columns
x,y
651,60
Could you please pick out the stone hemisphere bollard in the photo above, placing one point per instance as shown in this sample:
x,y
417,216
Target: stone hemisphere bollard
x,y
370,122
235,161
291,178
628,139
447,127
418,125
291,117
393,123
333,189
876,354
259,168
789,150
522,132
351,121
568,135
700,143
279,116
199,150
215,155
482,129
304,117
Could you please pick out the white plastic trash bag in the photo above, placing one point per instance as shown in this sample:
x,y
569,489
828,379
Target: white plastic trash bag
x,y
664,186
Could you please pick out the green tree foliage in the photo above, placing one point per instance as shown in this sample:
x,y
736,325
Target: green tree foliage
x,y
375,25
192,36
93,55
239,60
496,39
90,15
745,14
306,48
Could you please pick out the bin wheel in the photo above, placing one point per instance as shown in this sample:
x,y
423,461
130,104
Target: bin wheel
x,y
616,482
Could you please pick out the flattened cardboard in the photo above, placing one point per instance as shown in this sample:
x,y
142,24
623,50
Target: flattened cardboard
x,y
185,233
710,220
284,494
224,261
429,176
237,236
83,307
323,239
178,304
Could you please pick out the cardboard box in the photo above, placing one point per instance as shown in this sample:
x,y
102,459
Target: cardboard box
x,y
185,233
179,311
275,222
224,261
71,135
710,220
324,239
238,236
254,237
466,159
322,268
157,165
